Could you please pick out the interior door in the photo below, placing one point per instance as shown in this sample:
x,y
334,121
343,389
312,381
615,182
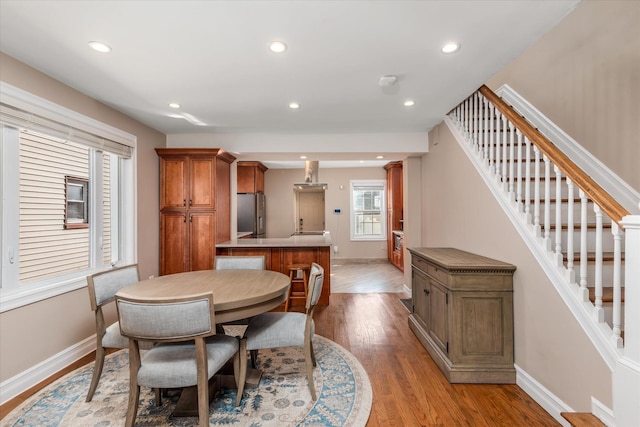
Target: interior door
x,y
310,211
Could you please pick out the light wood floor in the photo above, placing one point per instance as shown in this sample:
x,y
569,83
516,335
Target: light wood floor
x,y
408,388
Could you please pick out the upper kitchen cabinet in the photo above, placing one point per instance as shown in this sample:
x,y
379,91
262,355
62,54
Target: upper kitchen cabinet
x,y
251,177
395,247
195,200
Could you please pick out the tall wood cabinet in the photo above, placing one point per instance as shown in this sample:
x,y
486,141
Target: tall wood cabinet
x,y
395,235
463,314
195,200
251,177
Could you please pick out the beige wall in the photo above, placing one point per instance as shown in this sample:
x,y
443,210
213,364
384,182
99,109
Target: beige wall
x,y
280,207
584,75
460,211
31,334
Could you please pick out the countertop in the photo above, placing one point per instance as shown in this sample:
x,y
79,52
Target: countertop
x,y
285,242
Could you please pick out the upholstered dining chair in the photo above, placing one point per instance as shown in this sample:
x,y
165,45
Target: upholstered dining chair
x,y
187,351
102,289
289,329
229,262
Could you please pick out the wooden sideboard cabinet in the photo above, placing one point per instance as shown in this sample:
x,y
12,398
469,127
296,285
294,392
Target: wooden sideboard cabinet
x,y
463,314
195,200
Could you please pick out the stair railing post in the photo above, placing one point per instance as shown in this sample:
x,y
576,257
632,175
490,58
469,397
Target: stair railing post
x,y
626,377
584,202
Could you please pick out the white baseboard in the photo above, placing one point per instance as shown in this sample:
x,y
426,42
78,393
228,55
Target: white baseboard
x,y
550,402
603,413
43,370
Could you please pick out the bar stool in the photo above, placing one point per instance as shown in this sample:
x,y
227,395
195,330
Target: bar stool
x,y
294,279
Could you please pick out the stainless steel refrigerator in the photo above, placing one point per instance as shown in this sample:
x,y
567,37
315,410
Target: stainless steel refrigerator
x,y
251,213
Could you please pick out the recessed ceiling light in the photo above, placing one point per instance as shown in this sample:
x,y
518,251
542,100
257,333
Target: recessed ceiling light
x,y
277,46
409,103
174,105
303,157
379,157
450,47
100,47
294,105
361,161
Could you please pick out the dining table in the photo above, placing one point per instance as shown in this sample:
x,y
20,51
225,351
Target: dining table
x,y
237,295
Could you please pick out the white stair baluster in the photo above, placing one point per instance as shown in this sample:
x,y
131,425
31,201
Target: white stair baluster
x,y
511,160
547,202
536,193
492,138
527,180
505,178
519,172
584,204
598,310
571,274
558,220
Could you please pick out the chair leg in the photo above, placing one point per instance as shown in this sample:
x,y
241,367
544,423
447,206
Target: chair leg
x,y
254,359
313,355
240,369
158,392
308,351
132,408
97,372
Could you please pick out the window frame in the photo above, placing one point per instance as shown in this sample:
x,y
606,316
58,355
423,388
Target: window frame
x,y
12,294
84,184
377,185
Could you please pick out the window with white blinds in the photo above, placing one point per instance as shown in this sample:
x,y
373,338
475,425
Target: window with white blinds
x,y
368,214
68,198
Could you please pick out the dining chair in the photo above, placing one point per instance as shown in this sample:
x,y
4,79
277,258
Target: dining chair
x,y
187,353
233,262
288,329
102,289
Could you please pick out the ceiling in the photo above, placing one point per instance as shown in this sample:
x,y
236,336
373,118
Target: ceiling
x,y
212,58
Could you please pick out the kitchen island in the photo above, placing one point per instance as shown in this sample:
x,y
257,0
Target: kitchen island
x,y
281,252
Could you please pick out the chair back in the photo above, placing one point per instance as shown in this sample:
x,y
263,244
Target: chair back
x,y
230,262
104,285
167,319
316,280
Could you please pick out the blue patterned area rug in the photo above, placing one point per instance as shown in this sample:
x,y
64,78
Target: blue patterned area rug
x,y
282,398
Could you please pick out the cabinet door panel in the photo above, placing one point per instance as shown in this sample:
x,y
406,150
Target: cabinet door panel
x,y
420,295
438,316
173,245
202,183
202,244
174,186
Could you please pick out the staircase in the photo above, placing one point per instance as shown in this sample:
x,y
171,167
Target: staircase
x,y
579,220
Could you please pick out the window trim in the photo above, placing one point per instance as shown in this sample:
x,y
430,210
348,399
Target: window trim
x,y
378,184
13,295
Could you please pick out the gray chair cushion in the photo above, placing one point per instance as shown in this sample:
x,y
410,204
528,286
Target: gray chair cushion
x,y
169,365
269,330
114,339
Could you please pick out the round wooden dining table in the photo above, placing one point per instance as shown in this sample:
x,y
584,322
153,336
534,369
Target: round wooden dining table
x,y
237,294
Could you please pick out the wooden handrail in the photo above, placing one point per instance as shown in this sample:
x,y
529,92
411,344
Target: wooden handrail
x,y
604,200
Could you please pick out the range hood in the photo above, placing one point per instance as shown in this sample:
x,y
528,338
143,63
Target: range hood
x,y
310,182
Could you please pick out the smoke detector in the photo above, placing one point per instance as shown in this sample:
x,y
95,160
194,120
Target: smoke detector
x,y
386,81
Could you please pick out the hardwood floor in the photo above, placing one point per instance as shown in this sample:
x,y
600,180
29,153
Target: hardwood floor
x,y
408,388
365,277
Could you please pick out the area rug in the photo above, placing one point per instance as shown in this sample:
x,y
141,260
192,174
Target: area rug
x,y
281,399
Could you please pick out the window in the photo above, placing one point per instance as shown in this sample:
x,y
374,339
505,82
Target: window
x,y
368,220
76,212
68,198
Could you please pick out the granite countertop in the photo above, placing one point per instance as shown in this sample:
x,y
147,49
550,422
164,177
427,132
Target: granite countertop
x,y
285,242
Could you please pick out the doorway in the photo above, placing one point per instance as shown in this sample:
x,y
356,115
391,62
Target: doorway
x,y
309,210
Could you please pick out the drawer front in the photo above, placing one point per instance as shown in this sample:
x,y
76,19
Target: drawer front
x,y
437,273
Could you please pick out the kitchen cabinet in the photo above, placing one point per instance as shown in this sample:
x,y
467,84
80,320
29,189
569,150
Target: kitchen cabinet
x,y
195,200
463,313
251,177
395,254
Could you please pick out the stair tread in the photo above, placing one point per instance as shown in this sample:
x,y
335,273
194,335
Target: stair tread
x,y
607,293
582,419
591,256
